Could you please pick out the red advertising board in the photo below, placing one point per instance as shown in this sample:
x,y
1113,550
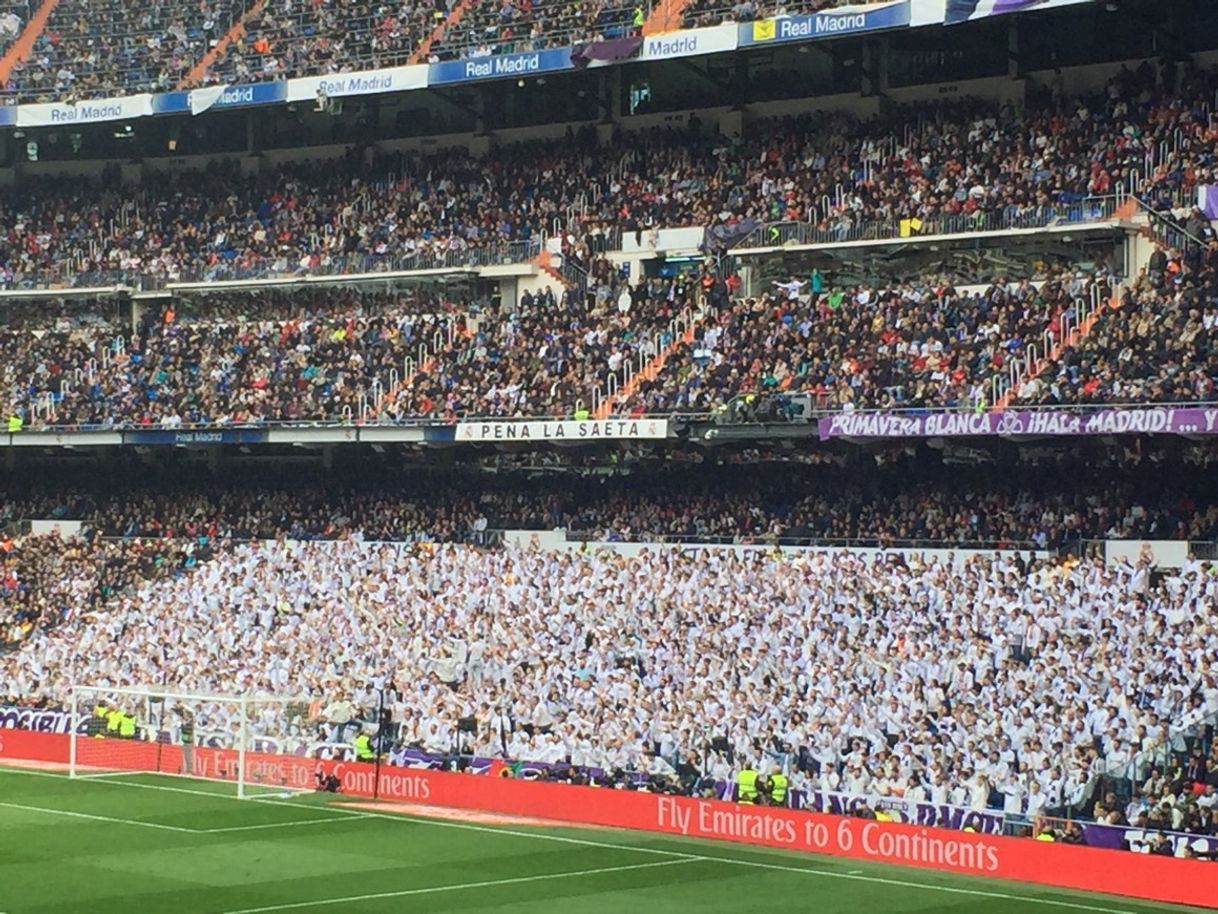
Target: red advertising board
x,y
1089,869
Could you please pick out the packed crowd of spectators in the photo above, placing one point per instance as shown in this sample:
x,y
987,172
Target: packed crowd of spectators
x,y
99,48
514,26
342,356
1179,796
225,361
944,166
896,347
246,359
747,497
64,314
286,39
966,683
45,578
1157,345
91,50
542,360
319,217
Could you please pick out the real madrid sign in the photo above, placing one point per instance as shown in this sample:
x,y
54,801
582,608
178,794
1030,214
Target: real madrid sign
x,y
566,430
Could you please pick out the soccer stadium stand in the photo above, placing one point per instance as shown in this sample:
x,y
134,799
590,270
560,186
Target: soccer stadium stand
x,y
265,415
323,217
951,167
889,679
390,361
384,359
213,366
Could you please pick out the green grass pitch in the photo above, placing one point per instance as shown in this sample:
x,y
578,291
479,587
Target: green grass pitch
x,y
145,844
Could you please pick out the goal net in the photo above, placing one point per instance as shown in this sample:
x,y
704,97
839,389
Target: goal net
x,y
251,742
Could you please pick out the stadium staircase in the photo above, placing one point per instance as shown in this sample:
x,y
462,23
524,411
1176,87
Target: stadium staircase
x,y
548,268
680,333
453,17
569,275
666,16
382,398
20,50
425,360
236,33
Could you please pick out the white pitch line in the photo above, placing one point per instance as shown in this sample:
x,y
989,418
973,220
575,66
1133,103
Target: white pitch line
x,y
925,886
111,819
296,824
349,899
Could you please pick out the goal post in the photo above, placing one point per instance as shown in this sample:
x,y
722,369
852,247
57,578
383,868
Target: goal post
x,y
250,741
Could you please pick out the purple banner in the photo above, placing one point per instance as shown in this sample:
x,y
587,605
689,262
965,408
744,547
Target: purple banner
x,y
1207,200
37,720
1162,420
1118,837
913,812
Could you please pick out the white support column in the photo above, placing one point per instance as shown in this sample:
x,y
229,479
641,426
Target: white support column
x,y
241,743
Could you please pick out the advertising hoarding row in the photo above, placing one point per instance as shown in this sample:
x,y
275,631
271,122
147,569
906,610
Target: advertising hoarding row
x,y
1158,878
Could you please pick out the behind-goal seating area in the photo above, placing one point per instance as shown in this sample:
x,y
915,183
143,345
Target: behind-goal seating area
x,y
248,742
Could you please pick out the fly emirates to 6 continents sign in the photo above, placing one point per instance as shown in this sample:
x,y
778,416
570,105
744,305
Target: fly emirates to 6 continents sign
x,y
845,837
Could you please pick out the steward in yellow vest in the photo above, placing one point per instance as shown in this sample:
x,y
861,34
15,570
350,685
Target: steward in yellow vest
x,y
778,789
746,786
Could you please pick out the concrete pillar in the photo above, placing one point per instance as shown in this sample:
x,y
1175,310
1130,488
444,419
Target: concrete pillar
x,y
1015,66
609,88
480,114
875,67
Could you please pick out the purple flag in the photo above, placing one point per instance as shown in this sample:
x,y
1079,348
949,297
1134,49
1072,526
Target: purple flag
x,y
964,10
613,49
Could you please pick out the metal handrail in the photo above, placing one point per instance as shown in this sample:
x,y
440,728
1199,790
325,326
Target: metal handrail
x,y
778,234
